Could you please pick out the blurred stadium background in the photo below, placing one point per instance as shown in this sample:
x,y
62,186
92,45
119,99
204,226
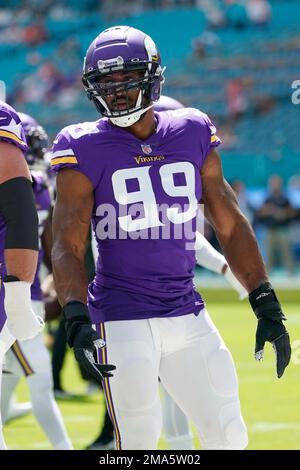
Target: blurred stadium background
x,y
236,60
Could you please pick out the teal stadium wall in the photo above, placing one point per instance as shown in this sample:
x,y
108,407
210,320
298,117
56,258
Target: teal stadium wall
x,y
266,144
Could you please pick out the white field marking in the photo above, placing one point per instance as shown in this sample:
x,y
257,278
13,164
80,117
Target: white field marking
x,y
268,427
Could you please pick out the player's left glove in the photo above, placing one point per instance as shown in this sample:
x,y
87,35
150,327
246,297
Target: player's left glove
x,y
270,328
84,340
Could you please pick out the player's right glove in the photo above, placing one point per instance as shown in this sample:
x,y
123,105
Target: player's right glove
x,y
270,328
22,322
84,340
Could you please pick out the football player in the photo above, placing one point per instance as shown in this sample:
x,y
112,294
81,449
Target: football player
x,y
175,423
140,176
31,357
18,238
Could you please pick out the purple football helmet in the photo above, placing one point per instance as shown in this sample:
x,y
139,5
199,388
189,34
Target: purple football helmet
x,y
123,49
37,141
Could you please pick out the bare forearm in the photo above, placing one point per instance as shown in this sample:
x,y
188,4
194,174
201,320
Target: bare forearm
x,y
243,255
71,224
70,276
21,263
232,228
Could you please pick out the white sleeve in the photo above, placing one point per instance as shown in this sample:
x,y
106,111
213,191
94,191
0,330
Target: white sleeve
x,y
235,283
207,256
94,246
211,259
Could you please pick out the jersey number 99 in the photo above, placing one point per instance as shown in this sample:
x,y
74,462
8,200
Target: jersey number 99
x,y
145,195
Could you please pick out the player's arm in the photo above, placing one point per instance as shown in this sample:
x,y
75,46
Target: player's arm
x,y
17,207
71,224
232,228
242,253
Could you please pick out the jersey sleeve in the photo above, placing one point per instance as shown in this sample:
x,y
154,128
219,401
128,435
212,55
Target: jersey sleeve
x,y
63,155
11,130
73,149
207,133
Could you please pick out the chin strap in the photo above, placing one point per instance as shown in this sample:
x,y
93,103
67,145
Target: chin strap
x,y
129,120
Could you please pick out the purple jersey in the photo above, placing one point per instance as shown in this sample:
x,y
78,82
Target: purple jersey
x,y
11,131
43,203
146,197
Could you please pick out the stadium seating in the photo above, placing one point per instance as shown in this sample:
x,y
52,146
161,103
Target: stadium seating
x,y
266,59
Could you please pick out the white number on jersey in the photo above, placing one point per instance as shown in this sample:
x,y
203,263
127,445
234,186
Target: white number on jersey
x,y
146,196
81,129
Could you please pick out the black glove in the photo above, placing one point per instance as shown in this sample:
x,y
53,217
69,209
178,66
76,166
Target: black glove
x,y
84,339
270,328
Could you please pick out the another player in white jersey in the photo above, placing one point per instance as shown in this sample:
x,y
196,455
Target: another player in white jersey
x,y
18,238
31,358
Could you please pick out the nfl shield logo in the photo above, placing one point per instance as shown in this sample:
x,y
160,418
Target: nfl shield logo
x,y
146,148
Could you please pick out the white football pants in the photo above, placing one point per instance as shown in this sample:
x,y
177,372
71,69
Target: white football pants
x,y
6,340
31,358
176,427
195,367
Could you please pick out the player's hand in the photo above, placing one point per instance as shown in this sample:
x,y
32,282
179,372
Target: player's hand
x,y
270,327
22,322
85,343
84,340
276,333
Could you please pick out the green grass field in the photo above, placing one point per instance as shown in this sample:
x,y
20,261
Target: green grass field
x,y
270,406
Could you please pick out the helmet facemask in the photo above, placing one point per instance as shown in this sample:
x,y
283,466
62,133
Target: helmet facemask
x,y
38,145
113,98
